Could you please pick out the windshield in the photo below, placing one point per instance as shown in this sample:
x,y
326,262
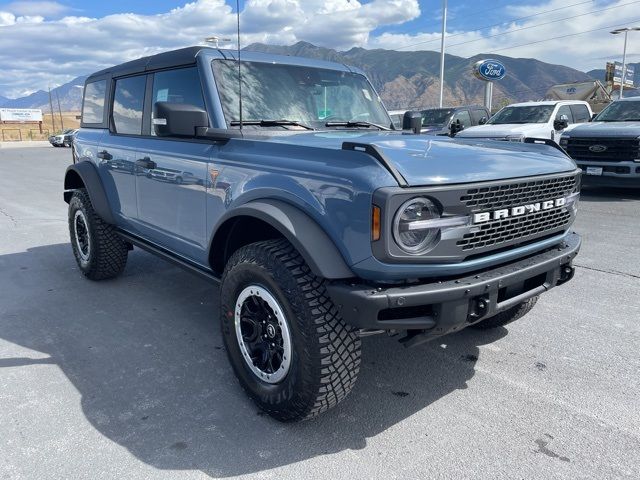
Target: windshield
x,y
310,96
529,114
620,112
436,116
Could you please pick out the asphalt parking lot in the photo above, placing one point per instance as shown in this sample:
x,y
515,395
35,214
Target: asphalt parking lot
x,y
128,378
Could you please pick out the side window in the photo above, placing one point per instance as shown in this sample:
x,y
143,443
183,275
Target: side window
x,y
565,110
463,116
128,102
478,114
177,86
93,104
580,113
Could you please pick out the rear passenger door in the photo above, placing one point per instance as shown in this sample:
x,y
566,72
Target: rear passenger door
x,y
171,183
118,150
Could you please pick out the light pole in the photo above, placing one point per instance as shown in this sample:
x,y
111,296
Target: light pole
x,y
624,30
215,40
444,31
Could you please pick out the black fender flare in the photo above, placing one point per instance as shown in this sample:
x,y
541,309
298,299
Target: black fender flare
x,y
304,233
88,174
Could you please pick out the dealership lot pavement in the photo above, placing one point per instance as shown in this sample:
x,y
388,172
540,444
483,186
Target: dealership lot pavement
x,y
128,378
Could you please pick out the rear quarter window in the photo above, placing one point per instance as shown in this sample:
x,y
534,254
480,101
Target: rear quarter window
x,y
94,101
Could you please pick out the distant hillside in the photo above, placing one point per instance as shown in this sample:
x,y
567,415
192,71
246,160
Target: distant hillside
x,y
403,79
411,79
70,95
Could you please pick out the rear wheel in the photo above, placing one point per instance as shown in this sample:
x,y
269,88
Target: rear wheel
x,y
100,252
290,349
510,315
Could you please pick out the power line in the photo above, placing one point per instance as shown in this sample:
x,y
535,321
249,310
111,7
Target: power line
x,y
472,14
541,24
564,36
498,24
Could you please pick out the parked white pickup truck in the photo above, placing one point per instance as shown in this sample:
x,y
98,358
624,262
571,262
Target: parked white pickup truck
x,y
547,119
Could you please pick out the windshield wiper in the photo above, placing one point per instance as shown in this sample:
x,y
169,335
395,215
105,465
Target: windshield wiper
x,y
272,123
631,120
356,124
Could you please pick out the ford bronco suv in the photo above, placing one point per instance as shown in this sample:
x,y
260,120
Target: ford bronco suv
x,y
608,148
318,220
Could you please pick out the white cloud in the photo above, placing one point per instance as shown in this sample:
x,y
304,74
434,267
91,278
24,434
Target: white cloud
x,y
7,18
31,8
39,51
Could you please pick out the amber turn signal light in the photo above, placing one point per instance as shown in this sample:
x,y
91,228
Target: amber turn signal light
x,y
375,223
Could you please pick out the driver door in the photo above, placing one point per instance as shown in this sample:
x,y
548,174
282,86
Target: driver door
x,y
564,113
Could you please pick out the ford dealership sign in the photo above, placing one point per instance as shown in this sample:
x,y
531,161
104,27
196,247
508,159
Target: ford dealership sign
x,y
489,70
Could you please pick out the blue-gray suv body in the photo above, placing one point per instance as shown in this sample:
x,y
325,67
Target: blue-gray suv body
x,y
320,222
608,148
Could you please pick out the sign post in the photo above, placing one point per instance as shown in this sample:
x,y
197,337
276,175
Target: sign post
x,y
489,71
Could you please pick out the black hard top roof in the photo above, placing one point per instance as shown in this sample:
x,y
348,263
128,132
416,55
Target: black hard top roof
x,y
174,58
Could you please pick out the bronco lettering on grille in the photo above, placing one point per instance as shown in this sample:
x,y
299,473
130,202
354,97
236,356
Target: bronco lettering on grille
x,y
518,211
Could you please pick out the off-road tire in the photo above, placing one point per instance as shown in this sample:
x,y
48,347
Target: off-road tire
x,y
107,255
325,358
507,316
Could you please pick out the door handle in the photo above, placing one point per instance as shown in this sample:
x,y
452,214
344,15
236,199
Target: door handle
x,y
104,155
147,163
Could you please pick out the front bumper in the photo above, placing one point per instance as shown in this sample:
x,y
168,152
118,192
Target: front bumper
x,y
441,307
614,174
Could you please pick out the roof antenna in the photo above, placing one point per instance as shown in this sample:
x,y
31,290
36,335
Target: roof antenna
x,y
239,71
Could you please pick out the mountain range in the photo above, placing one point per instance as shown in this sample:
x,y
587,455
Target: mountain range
x,y
403,79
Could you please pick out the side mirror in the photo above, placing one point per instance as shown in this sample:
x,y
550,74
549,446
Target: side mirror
x,y
482,121
412,121
455,128
593,117
560,124
178,119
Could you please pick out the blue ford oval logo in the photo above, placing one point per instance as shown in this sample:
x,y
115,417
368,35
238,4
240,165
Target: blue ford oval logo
x,y
598,148
489,70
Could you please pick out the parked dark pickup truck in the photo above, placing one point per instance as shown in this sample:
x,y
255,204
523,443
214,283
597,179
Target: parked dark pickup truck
x,y
608,149
438,121
319,222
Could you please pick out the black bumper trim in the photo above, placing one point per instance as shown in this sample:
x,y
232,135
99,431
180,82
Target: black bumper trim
x,y
453,304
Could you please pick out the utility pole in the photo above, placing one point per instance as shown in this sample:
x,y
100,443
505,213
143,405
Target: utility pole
x,y
60,111
444,31
53,119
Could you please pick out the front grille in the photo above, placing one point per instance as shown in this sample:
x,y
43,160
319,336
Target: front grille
x,y
514,194
535,224
618,149
507,229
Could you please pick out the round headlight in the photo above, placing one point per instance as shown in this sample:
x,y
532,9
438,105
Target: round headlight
x,y
409,230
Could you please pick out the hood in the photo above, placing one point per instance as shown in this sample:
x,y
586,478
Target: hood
x,y
429,160
605,129
499,131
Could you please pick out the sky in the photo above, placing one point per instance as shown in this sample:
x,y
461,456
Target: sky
x,y
50,42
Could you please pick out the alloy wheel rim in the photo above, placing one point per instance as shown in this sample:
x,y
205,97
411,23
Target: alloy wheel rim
x,y
263,334
82,237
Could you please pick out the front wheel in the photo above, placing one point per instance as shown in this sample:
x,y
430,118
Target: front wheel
x,y
99,250
290,349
